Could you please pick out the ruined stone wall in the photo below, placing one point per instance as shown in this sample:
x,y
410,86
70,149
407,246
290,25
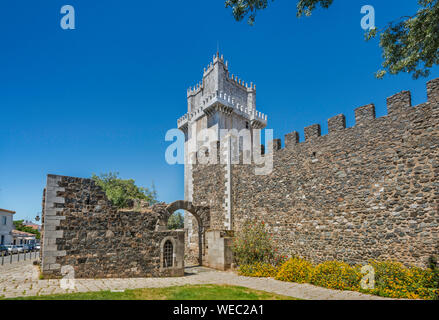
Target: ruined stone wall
x,y
83,230
370,191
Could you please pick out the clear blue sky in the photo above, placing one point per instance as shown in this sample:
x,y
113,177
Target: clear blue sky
x,y
101,98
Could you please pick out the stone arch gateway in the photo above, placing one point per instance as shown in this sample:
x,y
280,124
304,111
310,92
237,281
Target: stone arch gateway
x,y
202,216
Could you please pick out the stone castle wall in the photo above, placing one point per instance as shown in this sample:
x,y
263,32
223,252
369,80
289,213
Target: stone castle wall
x,y
370,191
83,230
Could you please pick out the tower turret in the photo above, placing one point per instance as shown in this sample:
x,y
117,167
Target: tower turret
x,y
223,100
219,101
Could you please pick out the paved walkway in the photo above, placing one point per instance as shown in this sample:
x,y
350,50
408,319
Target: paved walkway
x,y
21,279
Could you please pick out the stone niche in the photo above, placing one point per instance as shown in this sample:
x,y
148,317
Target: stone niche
x,y
84,235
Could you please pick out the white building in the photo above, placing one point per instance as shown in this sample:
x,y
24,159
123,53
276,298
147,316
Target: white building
x,y
21,237
6,226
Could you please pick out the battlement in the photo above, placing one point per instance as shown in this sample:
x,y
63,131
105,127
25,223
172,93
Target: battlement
x,y
219,60
397,105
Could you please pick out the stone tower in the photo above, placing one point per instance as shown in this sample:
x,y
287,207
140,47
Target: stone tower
x,y
220,101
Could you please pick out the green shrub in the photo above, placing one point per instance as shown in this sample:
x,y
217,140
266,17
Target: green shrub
x,y
253,245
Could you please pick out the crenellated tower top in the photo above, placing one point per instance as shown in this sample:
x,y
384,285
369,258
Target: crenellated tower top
x,y
220,90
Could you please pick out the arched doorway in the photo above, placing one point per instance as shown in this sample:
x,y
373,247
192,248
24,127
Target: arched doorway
x,y
202,216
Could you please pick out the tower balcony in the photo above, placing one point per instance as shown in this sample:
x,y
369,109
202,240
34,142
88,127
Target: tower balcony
x,y
226,103
182,123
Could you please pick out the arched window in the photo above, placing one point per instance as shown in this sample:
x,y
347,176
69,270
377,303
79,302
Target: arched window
x,y
168,251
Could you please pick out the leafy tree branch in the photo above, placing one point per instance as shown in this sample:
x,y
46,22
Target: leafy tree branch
x,y
18,225
176,221
409,44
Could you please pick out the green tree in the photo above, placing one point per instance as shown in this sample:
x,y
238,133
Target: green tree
x,y
18,225
122,192
176,221
409,44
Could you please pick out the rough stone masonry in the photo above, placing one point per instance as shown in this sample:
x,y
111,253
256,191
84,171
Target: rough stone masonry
x,y
83,232
366,192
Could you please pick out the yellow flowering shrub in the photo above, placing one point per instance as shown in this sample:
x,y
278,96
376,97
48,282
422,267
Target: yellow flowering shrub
x,y
394,280
256,254
337,275
260,270
295,270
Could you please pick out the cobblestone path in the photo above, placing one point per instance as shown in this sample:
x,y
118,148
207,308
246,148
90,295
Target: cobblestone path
x,y
21,279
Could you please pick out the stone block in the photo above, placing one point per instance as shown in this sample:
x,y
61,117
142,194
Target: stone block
x,y
337,123
291,139
364,114
277,144
433,90
399,102
312,132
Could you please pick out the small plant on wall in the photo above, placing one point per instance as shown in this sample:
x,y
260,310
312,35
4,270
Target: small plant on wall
x,y
122,192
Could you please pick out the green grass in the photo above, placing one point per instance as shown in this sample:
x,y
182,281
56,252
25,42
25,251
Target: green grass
x,y
188,292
